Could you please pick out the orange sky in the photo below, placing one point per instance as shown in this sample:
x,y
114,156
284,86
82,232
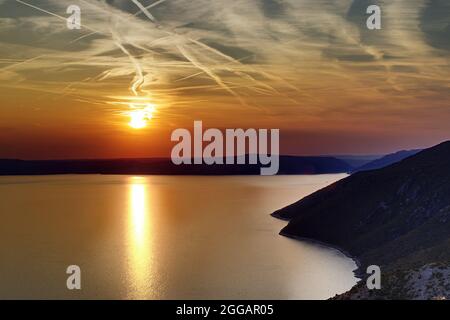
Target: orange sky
x,y
309,68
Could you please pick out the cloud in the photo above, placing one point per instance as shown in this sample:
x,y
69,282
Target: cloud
x,y
253,53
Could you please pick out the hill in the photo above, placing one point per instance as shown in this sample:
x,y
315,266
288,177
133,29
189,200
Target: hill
x,y
386,160
397,217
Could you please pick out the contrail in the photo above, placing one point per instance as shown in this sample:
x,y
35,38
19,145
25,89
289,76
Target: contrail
x,y
135,14
208,72
190,58
145,11
240,74
191,49
153,5
194,61
201,72
22,62
139,79
84,36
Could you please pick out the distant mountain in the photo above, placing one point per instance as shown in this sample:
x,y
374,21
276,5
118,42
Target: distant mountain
x,y
397,217
387,160
357,161
288,165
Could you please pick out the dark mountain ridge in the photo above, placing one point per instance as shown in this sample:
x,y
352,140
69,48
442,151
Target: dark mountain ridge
x,y
288,165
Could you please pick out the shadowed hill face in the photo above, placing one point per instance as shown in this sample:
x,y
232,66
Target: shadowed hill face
x,y
387,160
395,216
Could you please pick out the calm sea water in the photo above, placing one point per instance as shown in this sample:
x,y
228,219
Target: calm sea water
x,y
161,237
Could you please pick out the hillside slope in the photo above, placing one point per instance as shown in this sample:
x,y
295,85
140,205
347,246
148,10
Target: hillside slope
x,y
386,160
397,217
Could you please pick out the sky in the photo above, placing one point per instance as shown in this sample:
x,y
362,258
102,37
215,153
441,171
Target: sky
x,y
310,68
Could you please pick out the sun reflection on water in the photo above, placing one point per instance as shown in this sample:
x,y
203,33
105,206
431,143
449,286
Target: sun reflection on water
x,y
140,253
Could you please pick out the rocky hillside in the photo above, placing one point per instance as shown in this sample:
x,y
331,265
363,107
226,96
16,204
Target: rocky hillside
x,y
397,217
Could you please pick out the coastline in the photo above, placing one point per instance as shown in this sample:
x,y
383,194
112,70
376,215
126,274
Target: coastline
x,y
358,271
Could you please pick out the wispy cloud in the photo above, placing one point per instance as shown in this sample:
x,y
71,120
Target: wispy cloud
x,y
274,55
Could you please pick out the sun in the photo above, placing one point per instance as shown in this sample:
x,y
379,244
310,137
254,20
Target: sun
x,y
140,115
137,119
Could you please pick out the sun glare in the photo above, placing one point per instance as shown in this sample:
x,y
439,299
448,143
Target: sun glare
x,y
137,120
140,115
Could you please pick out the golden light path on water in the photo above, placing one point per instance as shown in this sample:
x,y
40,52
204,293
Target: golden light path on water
x,y
139,236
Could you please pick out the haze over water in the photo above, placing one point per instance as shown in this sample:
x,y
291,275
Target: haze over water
x,y
161,237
